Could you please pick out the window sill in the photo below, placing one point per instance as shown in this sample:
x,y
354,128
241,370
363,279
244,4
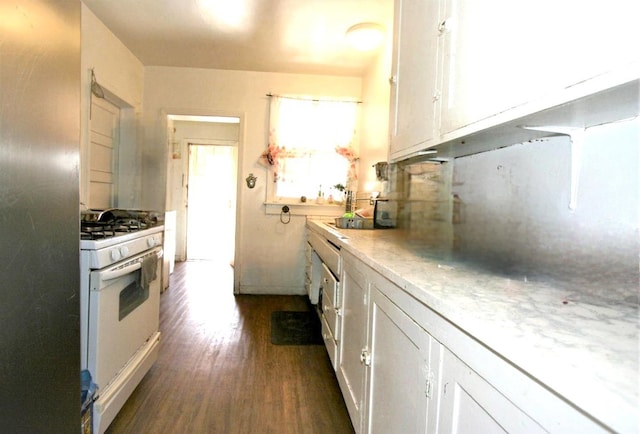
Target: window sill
x,y
305,208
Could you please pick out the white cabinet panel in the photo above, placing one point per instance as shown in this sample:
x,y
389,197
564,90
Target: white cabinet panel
x,y
489,57
330,302
329,253
329,286
329,342
470,405
351,369
466,75
413,79
403,373
500,54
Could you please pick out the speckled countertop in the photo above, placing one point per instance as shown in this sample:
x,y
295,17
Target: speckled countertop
x,y
581,343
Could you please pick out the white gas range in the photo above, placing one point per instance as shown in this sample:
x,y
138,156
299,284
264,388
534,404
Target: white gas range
x,y
120,270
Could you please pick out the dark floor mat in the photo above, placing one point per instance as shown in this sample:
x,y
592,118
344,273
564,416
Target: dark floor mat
x,y
295,328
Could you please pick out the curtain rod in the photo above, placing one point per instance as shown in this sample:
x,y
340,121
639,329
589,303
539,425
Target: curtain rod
x,y
312,99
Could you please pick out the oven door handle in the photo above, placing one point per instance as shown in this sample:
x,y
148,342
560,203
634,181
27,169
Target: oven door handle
x,y
121,271
127,268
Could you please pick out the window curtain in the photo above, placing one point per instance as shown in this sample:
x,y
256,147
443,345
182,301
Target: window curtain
x,y
302,128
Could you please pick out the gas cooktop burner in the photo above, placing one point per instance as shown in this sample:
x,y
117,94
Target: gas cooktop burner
x,y
101,224
90,232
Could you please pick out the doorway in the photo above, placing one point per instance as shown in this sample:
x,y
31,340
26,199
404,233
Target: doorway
x,y
211,202
202,170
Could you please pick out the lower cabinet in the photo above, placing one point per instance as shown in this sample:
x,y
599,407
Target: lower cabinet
x,y
403,368
403,371
330,309
352,344
387,364
470,405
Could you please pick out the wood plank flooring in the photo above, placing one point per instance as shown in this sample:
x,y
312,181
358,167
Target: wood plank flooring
x,y
218,372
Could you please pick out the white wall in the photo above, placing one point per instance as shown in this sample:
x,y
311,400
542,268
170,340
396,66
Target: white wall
x,y
374,134
121,74
270,255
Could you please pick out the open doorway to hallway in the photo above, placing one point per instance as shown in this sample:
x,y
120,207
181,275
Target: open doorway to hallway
x,y
202,185
211,198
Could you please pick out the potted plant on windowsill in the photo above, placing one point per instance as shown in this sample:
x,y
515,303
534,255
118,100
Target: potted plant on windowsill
x,y
339,197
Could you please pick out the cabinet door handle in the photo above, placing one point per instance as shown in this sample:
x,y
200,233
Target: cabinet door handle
x,y
393,79
365,357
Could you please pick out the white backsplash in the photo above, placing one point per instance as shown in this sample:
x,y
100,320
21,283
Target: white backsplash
x,y
509,209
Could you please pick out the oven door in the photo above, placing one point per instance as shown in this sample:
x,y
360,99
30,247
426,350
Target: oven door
x,y
124,310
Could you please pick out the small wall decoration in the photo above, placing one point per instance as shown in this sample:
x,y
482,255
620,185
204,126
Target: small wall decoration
x,y
251,180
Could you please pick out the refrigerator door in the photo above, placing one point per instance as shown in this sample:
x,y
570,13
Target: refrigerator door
x,y
39,195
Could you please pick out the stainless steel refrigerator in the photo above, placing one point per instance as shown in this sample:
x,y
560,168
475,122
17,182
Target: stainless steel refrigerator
x,y
39,223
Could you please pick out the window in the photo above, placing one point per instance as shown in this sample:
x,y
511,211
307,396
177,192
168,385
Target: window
x,y
310,146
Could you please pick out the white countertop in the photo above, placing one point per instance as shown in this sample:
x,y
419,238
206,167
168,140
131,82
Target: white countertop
x,y
578,338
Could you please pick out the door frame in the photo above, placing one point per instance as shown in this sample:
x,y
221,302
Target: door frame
x,y
164,115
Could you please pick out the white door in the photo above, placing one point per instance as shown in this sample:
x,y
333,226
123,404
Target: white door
x,y
211,200
103,153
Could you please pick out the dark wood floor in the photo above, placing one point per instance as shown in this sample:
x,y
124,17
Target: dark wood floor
x,y
218,372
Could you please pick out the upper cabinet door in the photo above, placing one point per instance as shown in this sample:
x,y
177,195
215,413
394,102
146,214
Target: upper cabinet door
x,y
500,54
413,111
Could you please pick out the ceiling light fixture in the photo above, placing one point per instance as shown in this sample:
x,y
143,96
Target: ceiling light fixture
x,y
365,36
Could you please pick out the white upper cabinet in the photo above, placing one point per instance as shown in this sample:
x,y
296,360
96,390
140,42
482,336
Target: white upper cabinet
x,y
500,54
467,75
414,100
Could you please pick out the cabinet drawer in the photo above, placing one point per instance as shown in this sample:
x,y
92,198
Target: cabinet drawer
x,y
330,314
329,285
329,341
329,253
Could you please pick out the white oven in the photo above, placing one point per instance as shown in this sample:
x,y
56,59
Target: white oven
x,y
123,314
120,299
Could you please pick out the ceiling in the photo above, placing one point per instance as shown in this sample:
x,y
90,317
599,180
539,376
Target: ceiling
x,y
290,36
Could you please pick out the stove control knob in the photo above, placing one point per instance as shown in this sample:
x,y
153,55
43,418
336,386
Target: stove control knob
x,y
151,242
115,255
124,251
